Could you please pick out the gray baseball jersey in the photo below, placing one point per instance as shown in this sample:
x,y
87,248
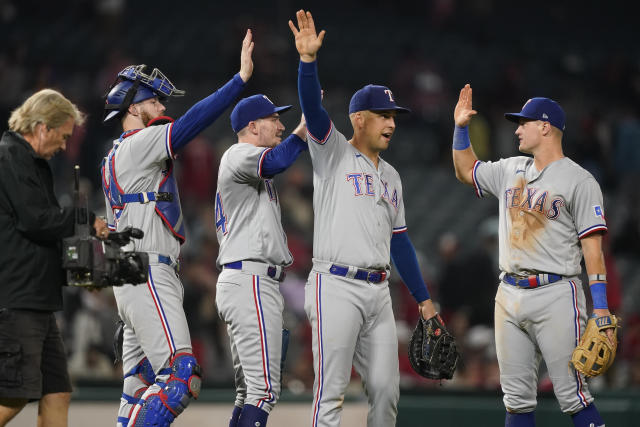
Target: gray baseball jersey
x,y
543,214
155,323
247,210
140,166
357,208
249,231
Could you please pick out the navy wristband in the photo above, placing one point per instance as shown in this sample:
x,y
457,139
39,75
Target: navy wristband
x,y
461,138
599,295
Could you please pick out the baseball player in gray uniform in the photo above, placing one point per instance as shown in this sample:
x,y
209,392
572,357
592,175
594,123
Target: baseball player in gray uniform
x,y
254,252
551,215
161,373
359,222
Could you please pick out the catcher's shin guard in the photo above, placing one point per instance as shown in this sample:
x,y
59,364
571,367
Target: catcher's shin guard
x,y
161,408
136,383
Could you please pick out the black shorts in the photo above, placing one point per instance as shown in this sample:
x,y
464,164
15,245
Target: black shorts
x,y
32,357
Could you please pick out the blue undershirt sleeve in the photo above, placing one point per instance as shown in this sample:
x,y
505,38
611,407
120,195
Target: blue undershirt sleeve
x,y
404,258
282,156
309,91
204,112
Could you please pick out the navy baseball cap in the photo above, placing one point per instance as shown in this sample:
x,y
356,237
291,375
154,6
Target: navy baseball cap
x,y
544,109
253,108
374,98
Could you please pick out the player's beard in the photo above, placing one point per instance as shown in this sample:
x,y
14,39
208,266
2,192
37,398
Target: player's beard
x,y
146,117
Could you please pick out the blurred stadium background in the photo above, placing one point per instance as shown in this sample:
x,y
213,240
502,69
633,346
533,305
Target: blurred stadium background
x,y
583,54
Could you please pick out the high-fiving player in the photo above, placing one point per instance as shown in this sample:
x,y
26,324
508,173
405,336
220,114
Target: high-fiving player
x,y
254,253
551,215
359,221
161,372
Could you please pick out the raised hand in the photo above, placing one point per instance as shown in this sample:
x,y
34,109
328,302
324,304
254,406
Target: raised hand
x,y
246,63
301,129
464,110
307,41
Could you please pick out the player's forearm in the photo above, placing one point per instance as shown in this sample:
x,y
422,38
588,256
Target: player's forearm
x,y
205,112
283,155
463,156
404,257
596,270
310,93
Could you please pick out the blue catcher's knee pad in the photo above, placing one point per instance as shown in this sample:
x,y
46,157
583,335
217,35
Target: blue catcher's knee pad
x,y
589,416
526,419
160,409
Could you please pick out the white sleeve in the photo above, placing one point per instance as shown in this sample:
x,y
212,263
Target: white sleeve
x,y
587,208
397,200
150,146
487,177
245,162
327,153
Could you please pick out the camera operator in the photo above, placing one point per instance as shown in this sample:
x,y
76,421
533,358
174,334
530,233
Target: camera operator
x,y
33,363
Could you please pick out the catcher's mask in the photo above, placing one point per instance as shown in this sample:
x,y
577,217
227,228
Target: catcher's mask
x,y
133,85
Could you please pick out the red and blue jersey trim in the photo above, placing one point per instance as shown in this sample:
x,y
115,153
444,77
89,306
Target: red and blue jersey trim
x,y
590,230
266,370
398,230
261,161
161,314
577,333
322,140
479,191
167,139
320,373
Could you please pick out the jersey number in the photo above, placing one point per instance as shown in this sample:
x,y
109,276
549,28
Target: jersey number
x,y
221,219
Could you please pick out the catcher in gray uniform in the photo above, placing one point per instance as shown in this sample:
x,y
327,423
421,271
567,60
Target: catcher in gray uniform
x,y
254,252
161,373
551,215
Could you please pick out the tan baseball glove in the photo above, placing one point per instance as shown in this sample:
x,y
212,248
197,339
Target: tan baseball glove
x,y
595,354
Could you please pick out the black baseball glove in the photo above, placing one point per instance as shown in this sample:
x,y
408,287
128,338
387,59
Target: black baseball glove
x,y
432,350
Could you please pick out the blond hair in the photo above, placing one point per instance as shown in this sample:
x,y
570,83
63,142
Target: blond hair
x,y
47,106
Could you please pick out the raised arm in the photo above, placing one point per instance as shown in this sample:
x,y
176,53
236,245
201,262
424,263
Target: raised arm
x,y
283,155
309,90
206,111
463,156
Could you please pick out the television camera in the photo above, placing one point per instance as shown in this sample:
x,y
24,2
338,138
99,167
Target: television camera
x,y
91,262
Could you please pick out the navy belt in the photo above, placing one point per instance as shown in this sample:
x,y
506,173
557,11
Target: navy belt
x,y
530,281
367,275
272,271
163,259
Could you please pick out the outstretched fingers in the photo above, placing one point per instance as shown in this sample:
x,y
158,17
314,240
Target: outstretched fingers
x,y
246,63
464,108
302,19
321,36
294,30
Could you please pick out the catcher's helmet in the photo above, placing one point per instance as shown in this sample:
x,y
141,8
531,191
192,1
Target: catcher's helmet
x,y
133,85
